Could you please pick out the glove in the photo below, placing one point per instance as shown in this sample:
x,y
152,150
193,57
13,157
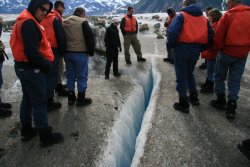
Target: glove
x,y
120,49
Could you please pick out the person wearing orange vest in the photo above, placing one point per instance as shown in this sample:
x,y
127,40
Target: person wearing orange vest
x,y
55,35
33,59
209,55
171,14
129,28
233,42
188,40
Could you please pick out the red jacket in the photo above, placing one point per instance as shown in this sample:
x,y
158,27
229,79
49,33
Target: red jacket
x,y
191,33
232,36
212,52
16,42
58,15
130,24
47,23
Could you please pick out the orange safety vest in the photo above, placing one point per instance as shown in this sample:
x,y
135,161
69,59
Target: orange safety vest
x,y
238,33
16,42
48,24
58,15
194,29
130,24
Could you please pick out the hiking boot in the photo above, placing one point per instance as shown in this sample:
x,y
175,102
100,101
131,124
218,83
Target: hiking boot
x,y
207,87
5,113
182,105
47,138
106,76
5,105
231,109
203,66
128,62
141,59
71,98
52,105
193,99
27,132
61,90
117,74
82,100
245,148
219,103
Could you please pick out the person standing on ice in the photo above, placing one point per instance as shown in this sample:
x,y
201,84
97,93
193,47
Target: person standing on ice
x,y
33,59
80,45
188,40
112,44
55,35
4,107
129,28
232,38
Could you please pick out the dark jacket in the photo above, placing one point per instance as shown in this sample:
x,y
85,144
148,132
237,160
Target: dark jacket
x,y
112,39
122,26
175,28
89,38
60,37
31,37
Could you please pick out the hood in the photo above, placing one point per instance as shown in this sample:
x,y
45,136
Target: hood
x,y
34,4
193,10
239,8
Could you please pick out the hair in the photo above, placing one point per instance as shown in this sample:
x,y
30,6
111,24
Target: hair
x,y
171,11
58,3
78,11
215,14
209,8
189,2
130,8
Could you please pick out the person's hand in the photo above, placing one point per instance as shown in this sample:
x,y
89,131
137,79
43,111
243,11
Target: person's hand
x,y
120,49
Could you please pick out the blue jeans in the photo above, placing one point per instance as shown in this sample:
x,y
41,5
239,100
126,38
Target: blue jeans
x,y
234,68
34,99
185,59
76,70
1,74
210,63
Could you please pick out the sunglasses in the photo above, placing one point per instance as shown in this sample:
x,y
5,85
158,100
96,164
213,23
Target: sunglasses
x,y
43,9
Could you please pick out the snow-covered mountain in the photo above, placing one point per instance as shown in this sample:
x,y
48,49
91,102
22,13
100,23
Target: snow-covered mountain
x,y
93,7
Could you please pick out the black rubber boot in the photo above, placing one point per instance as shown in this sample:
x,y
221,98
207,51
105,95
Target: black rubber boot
x,y
231,109
207,87
27,132
71,98
47,138
52,105
245,148
193,99
220,102
82,100
182,105
117,74
61,90
5,113
5,105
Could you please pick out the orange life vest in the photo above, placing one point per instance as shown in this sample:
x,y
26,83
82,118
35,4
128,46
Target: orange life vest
x,y
16,42
58,15
130,24
47,23
238,33
194,29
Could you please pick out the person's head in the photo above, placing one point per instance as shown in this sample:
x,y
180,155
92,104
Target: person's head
x,y
208,9
214,15
232,3
80,12
40,8
115,21
188,3
130,10
59,6
171,12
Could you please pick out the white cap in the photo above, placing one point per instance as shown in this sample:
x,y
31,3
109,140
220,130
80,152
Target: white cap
x,y
115,20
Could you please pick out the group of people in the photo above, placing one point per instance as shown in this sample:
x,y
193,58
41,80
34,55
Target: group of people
x,y
224,43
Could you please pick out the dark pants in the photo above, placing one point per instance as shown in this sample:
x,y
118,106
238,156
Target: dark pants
x,y
185,59
210,63
112,56
34,101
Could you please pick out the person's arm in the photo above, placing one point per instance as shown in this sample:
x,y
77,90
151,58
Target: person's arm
x,y
221,32
60,35
122,25
137,27
31,36
174,30
107,38
89,38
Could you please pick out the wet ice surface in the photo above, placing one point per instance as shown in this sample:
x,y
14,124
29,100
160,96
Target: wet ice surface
x,y
104,133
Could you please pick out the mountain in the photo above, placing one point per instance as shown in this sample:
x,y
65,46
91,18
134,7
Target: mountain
x,y
150,6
